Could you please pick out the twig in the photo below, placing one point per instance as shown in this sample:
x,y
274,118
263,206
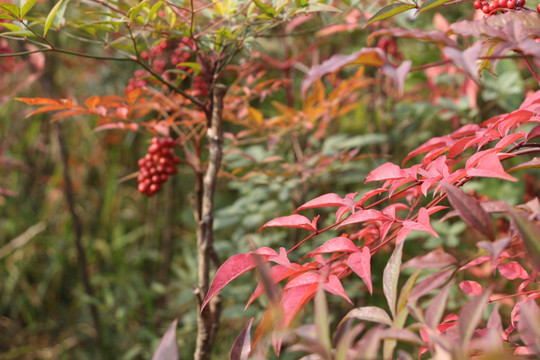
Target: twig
x,y
208,319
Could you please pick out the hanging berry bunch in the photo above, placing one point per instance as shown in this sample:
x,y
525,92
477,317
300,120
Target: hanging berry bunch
x,y
157,165
493,7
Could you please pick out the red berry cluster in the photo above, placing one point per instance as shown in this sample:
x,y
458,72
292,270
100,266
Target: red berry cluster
x,y
493,7
156,166
165,55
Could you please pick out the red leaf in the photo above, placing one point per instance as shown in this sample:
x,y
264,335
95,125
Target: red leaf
x,y
327,200
276,274
422,224
232,268
470,287
295,221
364,215
338,244
513,270
368,195
294,299
304,279
334,286
242,345
386,171
490,166
360,263
281,259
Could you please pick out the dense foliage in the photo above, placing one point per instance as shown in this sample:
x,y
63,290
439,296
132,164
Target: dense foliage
x,y
171,138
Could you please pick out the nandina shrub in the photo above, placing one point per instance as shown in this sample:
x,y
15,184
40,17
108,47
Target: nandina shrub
x,y
500,270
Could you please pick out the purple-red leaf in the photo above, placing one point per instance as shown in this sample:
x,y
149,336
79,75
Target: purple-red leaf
x,y
168,346
399,74
470,315
295,221
366,56
470,210
242,345
436,307
430,283
232,268
360,263
435,259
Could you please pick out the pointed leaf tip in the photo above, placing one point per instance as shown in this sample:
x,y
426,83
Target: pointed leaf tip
x,y
242,345
360,263
168,346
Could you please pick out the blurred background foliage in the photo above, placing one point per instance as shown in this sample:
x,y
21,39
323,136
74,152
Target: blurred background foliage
x,y
141,283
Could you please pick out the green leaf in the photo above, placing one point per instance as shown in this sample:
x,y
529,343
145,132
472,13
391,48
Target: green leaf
x,y
390,10
530,234
153,11
300,3
534,163
12,9
51,16
18,34
266,9
391,276
134,11
27,5
11,26
430,4
170,16
406,290
321,7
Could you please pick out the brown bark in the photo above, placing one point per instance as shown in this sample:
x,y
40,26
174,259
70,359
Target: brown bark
x,y
208,319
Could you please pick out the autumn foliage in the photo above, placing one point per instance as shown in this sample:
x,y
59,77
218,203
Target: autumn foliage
x,y
203,90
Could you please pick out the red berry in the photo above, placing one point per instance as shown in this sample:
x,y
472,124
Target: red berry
x,y
154,148
477,4
502,3
511,4
485,9
142,188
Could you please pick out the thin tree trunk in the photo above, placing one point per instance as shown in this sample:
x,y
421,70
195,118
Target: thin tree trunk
x,y
208,320
82,261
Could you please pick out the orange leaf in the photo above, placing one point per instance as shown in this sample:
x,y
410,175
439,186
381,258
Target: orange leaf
x,y
38,101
